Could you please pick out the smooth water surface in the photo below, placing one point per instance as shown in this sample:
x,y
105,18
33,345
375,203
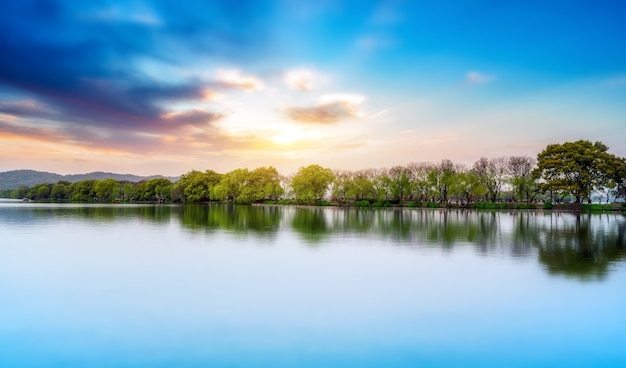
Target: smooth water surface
x,y
229,286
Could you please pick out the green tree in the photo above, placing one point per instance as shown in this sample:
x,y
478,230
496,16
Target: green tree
x,y
245,186
443,178
128,191
420,181
522,180
362,186
83,191
107,189
576,167
492,173
380,184
155,189
19,193
620,179
40,192
311,182
262,183
400,184
469,186
231,186
59,191
342,185
613,171
198,186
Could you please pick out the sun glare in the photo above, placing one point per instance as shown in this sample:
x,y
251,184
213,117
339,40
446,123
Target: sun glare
x,y
287,134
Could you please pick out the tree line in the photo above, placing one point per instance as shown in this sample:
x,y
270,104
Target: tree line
x,y
580,171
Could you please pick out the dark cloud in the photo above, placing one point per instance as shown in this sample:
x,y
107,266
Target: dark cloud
x,y
25,109
193,117
327,113
77,58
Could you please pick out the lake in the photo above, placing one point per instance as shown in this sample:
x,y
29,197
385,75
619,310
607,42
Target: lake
x,y
246,286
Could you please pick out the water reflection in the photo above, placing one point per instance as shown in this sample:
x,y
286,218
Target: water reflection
x,y
311,224
262,221
581,245
37,214
585,246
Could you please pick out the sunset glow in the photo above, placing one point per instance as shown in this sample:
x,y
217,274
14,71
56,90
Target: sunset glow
x,y
155,87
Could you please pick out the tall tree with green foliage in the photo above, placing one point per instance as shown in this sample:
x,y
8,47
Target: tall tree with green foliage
x,y
40,192
443,178
421,179
198,186
83,191
380,184
311,182
60,191
155,189
362,186
576,167
128,191
343,184
263,183
620,179
231,185
19,193
107,189
469,187
245,186
400,184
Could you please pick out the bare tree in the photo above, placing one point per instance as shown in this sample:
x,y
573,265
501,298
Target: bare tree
x,y
419,177
492,173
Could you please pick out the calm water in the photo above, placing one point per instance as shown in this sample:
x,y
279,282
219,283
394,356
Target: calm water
x,y
227,286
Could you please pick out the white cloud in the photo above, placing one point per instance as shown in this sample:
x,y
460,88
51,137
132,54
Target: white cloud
x,y
133,14
301,79
235,78
330,109
349,98
477,78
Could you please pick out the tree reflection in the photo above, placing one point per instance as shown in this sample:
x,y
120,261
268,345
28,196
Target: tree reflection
x,y
36,214
575,245
311,224
585,246
232,218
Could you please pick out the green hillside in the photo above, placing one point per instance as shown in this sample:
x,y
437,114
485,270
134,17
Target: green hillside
x,y
28,178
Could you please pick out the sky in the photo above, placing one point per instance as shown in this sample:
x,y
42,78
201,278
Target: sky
x,y
164,87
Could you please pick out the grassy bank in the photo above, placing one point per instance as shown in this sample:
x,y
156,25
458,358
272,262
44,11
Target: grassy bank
x,y
570,207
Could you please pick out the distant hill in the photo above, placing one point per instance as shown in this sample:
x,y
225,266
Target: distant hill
x,y
17,178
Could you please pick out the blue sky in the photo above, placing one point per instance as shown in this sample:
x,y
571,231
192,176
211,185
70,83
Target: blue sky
x,y
165,87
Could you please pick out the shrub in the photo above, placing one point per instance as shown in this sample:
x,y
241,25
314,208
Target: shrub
x,y
596,207
322,203
492,206
524,206
363,203
547,206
